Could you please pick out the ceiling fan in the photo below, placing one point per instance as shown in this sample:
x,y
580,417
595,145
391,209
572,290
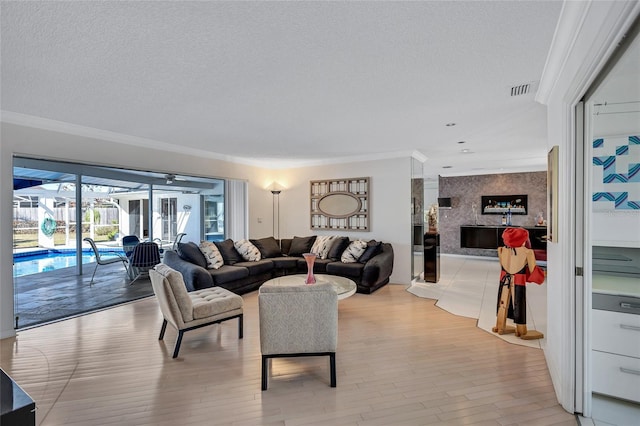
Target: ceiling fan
x,y
171,178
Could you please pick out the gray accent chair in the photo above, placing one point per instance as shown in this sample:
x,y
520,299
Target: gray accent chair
x,y
190,310
298,320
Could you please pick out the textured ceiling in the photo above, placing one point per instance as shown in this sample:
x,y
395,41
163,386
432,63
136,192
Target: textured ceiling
x,y
290,83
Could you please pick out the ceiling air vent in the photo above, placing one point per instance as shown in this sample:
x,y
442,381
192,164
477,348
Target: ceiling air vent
x,y
522,89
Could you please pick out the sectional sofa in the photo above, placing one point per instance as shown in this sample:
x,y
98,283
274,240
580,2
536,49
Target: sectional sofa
x,y
369,271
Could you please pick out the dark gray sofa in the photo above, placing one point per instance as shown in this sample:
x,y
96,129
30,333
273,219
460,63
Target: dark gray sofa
x,y
241,276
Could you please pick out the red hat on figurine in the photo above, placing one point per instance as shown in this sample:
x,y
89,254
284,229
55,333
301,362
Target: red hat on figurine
x,y
515,237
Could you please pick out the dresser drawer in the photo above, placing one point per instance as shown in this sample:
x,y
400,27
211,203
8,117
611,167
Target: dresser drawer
x,y
616,375
616,333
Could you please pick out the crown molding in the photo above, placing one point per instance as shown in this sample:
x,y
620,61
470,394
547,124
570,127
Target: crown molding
x,y
586,35
266,163
419,156
106,135
570,21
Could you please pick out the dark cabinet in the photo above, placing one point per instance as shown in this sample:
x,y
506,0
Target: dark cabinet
x,y
17,407
432,257
490,237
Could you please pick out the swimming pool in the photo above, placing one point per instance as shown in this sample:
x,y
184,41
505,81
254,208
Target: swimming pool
x,y
50,260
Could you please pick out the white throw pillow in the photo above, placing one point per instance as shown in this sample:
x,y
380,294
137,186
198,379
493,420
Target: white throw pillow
x,y
212,254
322,245
353,252
247,250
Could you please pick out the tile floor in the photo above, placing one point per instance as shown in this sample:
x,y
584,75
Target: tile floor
x,y
468,287
50,296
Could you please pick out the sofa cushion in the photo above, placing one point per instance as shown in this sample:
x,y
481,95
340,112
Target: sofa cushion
x,y
268,247
301,245
285,262
285,245
229,252
211,254
247,250
191,253
319,266
373,247
228,273
353,252
348,270
338,245
322,244
256,267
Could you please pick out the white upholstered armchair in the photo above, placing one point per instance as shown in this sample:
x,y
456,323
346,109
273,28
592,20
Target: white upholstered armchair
x,y
298,320
190,310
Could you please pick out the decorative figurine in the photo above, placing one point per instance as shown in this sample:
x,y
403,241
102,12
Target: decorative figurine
x,y
519,267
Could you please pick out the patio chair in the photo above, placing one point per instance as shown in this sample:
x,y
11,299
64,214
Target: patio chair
x,y
108,261
145,256
174,247
128,244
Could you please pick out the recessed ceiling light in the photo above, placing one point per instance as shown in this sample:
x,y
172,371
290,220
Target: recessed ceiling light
x,y
450,124
446,167
462,141
465,151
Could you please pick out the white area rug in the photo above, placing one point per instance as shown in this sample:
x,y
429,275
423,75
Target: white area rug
x,y
468,287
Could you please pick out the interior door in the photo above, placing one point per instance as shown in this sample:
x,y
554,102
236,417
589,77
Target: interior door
x,y
169,214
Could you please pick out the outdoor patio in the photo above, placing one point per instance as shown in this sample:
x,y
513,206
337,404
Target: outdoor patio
x,y
50,296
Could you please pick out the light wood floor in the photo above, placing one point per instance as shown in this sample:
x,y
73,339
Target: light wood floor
x,y
401,361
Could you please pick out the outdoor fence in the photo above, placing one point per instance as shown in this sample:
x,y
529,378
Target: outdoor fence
x,y
25,220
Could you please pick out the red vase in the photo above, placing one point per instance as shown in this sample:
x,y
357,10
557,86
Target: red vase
x,y
310,258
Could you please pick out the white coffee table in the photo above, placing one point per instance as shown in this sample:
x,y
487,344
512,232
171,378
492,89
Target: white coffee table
x,y
344,286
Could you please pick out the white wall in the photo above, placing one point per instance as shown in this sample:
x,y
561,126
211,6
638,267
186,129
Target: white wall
x,y
587,34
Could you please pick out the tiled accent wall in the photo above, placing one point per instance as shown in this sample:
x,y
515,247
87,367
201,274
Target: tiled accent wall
x,y
465,191
616,173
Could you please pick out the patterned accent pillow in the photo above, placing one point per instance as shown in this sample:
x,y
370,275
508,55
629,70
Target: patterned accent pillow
x,y
212,254
353,251
322,245
248,251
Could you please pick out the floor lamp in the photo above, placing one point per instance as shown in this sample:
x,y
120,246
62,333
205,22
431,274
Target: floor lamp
x,y
276,213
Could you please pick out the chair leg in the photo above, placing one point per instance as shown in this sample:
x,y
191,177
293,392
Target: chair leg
x,y
127,268
265,371
138,273
94,274
332,362
163,329
178,342
240,326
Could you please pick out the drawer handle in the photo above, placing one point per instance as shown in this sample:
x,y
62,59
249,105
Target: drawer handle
x,y
630,371
629,327
629,305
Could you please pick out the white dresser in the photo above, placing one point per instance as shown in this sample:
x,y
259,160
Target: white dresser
x,y
616,336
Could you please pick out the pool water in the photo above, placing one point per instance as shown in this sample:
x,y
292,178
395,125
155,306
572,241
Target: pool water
x,y
52,260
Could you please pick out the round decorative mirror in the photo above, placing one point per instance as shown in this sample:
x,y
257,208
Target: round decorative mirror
x,y
339,204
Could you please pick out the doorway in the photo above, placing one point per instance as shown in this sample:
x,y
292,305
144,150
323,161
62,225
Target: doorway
x,y
611,245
